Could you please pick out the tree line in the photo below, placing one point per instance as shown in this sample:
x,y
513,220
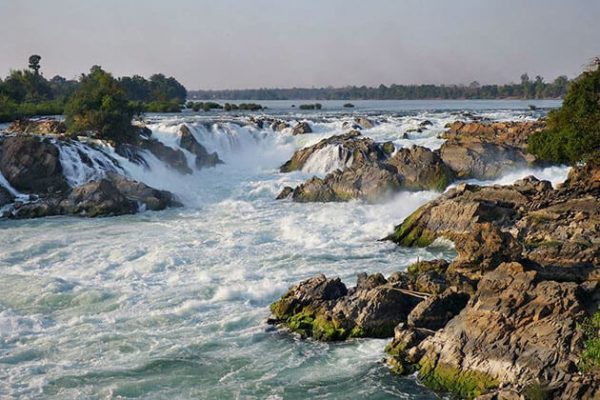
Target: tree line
x,y
527,88
26,92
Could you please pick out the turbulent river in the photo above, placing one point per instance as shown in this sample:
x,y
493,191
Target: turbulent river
x,y
173,304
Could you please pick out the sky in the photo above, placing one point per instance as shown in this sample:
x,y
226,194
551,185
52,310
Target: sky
x,y
225,44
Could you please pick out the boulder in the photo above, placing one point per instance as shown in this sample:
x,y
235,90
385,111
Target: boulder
x,y
367,182
97,198
152,199
364,123
515,134
325,310
435,312
301,128
421,169
352,147
32,165
174,158
189,143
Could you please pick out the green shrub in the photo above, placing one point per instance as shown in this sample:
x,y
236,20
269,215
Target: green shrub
x,y
572,133
100,107
590,358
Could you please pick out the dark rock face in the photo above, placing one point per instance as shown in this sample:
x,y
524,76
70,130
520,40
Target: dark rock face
x,y
203,157
38,127
301,128
32,165
174,158
435,312
5,197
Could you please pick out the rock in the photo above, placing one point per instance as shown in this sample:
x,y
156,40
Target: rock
x,y
189,143
97,198
285,193
152,199
38,127
514,134
515,331
279,126
5,197
352,148
32,165
301,128
481,160
323,309
435,312
367,182
173,158
364,123
486,150
421,169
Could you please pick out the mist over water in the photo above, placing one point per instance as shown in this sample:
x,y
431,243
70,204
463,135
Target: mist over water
x,y
173,304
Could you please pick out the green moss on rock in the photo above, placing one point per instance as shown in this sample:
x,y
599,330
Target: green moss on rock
x,y
411,234
466,384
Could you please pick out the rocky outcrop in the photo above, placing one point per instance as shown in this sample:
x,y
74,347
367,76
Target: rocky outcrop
x,y
513,134
517,333
301,128
371,171
421,169
174,158
114,195
486,150
38,127
364,123
203,157
151,198
353,149
325,309
367,182
31,165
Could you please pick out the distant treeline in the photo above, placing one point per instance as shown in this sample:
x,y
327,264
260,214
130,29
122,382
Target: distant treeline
x,y
526,89
25,93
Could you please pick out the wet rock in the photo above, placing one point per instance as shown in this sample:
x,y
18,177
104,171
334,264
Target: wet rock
x,y
203,157
38,127
364,123
5,197
352,148
367,182
323,309
301,128
421,169
285,193
174,158
152,199
32,165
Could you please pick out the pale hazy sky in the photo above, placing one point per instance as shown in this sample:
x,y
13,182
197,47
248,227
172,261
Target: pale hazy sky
x,y
278,43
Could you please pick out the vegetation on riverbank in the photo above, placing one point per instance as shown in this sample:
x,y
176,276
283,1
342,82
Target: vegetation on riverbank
x,y
27,93
573,131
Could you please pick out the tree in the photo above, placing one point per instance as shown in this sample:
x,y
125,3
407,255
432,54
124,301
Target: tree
x,y
34,63
572,134
526,86
100,107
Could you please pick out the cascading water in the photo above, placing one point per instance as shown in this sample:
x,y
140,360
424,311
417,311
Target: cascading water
x,y
173,304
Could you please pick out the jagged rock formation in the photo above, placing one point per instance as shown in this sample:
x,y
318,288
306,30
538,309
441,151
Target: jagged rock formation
x,y
38,127
203,157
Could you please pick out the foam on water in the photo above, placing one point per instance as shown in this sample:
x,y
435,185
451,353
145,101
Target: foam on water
x,y
173,304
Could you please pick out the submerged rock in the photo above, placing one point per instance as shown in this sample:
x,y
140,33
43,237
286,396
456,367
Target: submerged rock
x,y
32,165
